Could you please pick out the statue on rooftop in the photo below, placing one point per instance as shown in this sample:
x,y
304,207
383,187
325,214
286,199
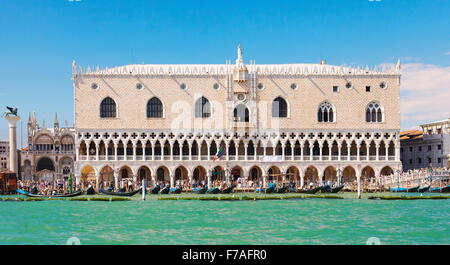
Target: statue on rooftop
x,y
11,112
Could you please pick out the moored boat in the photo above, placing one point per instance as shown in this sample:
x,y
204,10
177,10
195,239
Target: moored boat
x,y
439,189
424,189
311,191
155,189
227,190
73,194
126,194
175,190
281,190
90,191
201,190
164,190
213,190
400,189
329,189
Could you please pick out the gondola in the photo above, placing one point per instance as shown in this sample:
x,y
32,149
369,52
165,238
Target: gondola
x,y
155,189
424,189
227,190
213,190
329,189
269,190
400,189
127,194
311,191
281,190
201,190
438,189
164,190
175,190
90,191
73,194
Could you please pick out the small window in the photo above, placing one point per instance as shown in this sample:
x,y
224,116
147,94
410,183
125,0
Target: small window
x,y
383,85
367,88
410,149
410,161
429,160
401,149
348,85
429,148
183,86
420,148
439,160
439,147
260,86
216,86
420,160
139,86
335,89
294,86
94,86
241,97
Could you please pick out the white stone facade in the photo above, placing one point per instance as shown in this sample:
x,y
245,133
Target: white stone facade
x,y
432,148
266,117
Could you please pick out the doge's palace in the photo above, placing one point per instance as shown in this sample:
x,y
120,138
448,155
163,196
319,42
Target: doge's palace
x,y
304,122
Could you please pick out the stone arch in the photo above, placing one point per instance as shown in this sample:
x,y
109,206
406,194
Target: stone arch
x,y
125,172
88,174
199,174
386,171
274,173
45,163
330,174
106,176
236,172
348,174
311,174
144,172
255,173
217,173
293,174
181,173
162,174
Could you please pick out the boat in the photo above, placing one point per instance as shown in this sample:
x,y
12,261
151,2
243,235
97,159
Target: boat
x,y
424,189
28,194
311,191
213,190
227,190
438,189
90,191
281,190
201,190
175,190
127,194
269,190
164,190
400,189
329,189
155,189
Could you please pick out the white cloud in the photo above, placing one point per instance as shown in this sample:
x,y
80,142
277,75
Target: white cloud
x,y
425,94
447,53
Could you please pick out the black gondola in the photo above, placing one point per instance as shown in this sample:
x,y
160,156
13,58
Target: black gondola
x,y
213,191
176,190
127,194
155,189
201,190
73,194
329,189
227,190
281,190
164,190
311,191
424,189
90,191
443,190
269,190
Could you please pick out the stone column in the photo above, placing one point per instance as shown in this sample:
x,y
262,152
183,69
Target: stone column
x,y
12,121
106,151
172,180
116,179
245,152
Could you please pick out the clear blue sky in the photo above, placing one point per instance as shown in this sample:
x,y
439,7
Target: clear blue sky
x,y
40,38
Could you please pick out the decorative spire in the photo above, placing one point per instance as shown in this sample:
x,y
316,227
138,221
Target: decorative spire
x,y
56,123
398,65
74,67
240,61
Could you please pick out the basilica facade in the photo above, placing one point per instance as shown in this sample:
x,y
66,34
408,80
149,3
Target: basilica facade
x,y
50,154
303,122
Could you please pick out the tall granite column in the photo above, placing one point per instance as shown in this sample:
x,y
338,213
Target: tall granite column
x,y
12,120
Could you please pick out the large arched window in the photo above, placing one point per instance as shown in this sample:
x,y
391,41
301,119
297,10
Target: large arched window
x,y
325,113
374,112
202,108
279,108
241,113
108,108
154,108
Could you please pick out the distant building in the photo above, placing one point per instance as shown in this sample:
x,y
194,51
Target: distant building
x,y
50,152
4,155
431,146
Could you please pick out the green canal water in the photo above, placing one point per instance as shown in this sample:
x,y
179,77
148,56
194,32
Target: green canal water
x,y
307,221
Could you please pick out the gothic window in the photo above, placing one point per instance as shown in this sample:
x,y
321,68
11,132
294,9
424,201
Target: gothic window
x,y
202,108
241,113
325,113
108,108
279,108
374,112
154,108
